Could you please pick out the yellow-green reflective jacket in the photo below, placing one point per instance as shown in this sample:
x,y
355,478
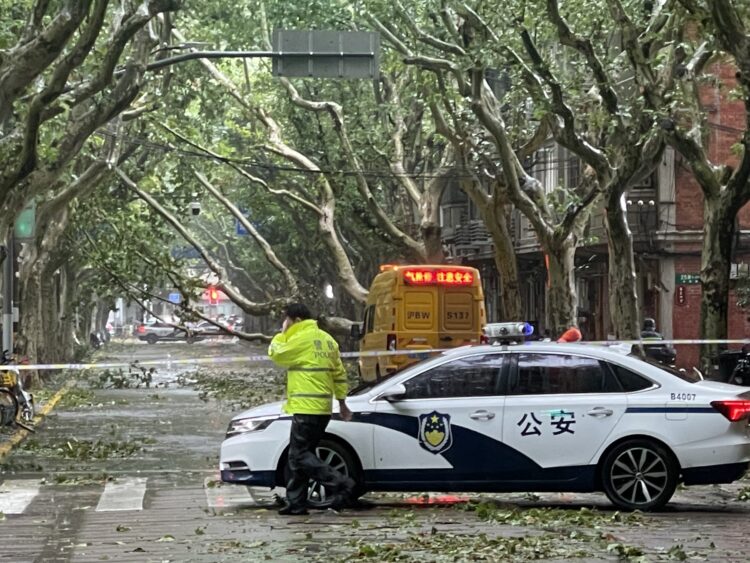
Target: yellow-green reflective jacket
x,y
314,370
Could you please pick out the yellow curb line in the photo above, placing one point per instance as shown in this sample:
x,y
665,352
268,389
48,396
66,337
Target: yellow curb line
x,y
21,433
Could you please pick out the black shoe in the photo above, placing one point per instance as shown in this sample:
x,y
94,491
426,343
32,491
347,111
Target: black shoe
x,y
290,510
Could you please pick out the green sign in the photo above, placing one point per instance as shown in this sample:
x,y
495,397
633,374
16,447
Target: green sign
x,y
687,279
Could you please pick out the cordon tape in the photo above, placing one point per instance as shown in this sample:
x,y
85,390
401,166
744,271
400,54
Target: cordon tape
x,y
415,353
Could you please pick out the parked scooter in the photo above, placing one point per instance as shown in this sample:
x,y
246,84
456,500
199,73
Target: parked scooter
x,y
16,404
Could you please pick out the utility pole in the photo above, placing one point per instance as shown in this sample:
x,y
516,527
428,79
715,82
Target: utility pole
x,y
8,278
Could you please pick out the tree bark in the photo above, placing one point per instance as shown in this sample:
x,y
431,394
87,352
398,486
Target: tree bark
x,y
623,297
507,266
716,260
31,333
562,298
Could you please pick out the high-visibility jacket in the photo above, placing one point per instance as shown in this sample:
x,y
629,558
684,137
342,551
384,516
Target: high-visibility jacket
x,y
314,370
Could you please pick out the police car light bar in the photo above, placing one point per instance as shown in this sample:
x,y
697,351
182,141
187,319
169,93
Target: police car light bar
x,y
508,330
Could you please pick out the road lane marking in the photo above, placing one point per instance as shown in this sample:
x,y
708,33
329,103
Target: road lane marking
x,y
124,495
223,495
16,495
21,433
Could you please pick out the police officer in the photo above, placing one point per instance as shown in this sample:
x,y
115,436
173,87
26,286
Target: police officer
x,y
315,375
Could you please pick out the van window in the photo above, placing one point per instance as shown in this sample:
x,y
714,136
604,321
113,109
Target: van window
x,y
369,319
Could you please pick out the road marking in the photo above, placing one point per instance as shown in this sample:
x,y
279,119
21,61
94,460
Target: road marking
x,y
223,495
16,495
124,495
21,433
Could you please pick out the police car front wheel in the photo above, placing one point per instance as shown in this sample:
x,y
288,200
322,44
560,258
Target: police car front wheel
x,y
639,475
339,458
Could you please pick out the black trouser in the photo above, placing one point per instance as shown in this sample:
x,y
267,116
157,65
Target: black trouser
x,y
304,464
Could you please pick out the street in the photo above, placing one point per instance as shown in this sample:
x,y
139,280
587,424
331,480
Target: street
x,y
122,470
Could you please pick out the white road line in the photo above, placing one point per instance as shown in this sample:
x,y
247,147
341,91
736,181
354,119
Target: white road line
x,y
223,495
123,495
16,495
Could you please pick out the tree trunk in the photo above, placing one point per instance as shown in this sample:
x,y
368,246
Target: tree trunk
x,y
433,243
31,334
623,297
716,259
562,299
429,226
494,214
344,270
48,345
67,312
507,266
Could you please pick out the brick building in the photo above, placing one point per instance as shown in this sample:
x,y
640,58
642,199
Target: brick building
x,y
666,217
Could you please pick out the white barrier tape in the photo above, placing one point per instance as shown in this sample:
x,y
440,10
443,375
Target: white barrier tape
x,y
413,353
204,361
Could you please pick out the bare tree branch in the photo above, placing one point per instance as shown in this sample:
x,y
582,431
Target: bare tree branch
x,y
270,255
224,284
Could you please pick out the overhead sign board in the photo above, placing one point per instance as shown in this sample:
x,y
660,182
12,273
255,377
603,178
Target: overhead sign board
x,y
326,54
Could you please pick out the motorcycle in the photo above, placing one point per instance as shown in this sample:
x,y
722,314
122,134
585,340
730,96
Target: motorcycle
x,y
741,372
16,404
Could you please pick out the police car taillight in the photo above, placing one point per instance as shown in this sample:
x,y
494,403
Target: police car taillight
x,y
733,410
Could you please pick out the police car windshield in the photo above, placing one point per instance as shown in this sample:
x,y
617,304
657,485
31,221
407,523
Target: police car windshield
x,y
689,376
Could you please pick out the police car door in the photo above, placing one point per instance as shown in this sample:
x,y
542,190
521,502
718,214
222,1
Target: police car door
x,y
559,409
443,428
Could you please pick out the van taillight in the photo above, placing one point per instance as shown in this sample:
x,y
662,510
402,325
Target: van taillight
x,y
484,339
390,342
733,410
141,329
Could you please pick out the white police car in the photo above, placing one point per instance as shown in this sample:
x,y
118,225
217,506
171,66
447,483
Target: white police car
x,y
531,417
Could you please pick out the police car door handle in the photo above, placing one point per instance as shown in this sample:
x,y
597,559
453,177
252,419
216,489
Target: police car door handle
x,y
600,411
482,415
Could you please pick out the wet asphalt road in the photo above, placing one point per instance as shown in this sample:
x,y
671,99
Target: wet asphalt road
x,y
130,474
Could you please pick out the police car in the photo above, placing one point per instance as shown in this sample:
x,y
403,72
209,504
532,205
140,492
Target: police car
x,y
530,417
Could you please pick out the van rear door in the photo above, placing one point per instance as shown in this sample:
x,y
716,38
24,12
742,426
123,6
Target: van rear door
x,y
419,318
459,316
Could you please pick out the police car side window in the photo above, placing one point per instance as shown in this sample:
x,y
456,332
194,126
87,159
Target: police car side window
x,y
554,374
475,376
630,381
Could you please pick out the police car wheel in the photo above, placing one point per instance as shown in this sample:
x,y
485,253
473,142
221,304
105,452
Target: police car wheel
x,y
639,475
341,460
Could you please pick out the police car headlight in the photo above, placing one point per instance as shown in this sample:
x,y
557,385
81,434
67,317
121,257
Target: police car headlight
x,y
243,425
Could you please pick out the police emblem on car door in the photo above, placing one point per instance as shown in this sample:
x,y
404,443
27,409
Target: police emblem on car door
x,y
435,432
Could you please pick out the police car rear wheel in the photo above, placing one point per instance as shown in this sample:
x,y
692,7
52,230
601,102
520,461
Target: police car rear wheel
x,y
639,475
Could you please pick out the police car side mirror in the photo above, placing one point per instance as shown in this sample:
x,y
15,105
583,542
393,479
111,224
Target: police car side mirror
x,y
355,332
394,393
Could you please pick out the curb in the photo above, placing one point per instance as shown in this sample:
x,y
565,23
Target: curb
x,y
19,435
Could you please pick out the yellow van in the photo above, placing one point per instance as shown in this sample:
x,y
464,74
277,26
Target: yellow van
x,y
415,308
